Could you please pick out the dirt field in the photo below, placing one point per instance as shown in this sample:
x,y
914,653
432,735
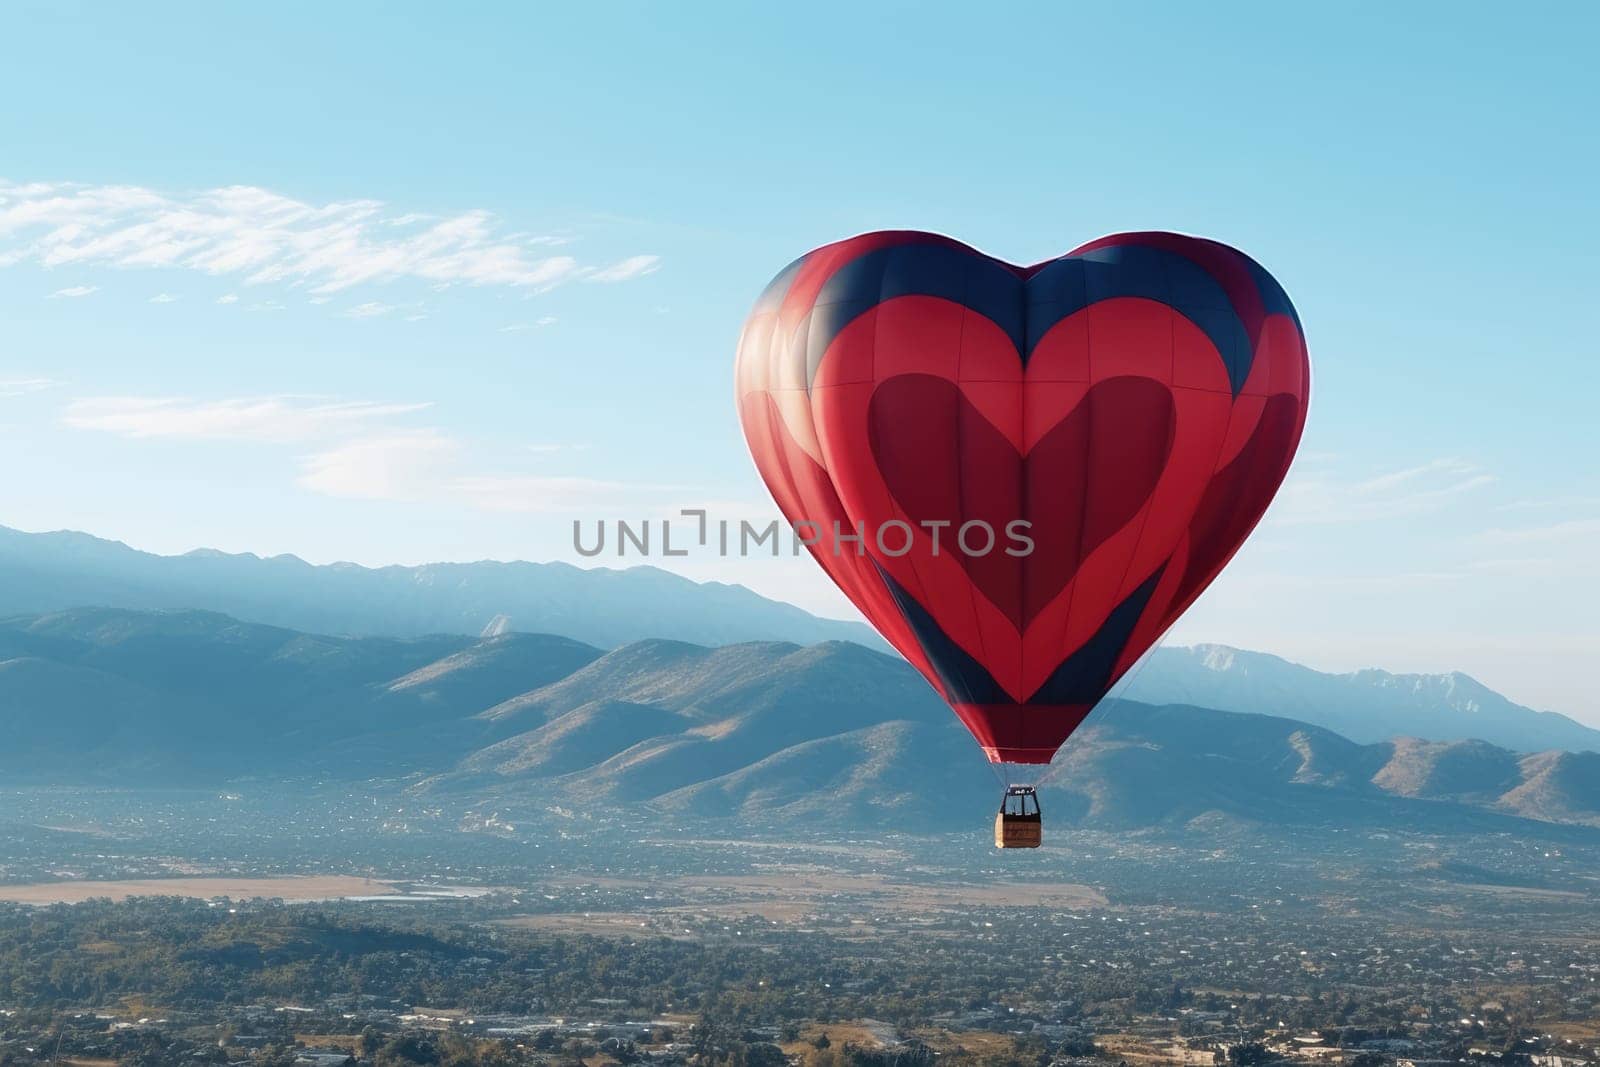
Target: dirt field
x,y
1140,1050
803,885
790,888
976,1042
348,1042
597,924
798,898
322,887
867,1033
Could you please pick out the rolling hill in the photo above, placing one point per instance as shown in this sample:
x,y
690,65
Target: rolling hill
x,y
828,734
42,573
1368,705
47,572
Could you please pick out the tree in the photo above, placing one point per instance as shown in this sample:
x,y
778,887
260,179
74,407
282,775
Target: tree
x,y
1249,1054
763,1054
369,1042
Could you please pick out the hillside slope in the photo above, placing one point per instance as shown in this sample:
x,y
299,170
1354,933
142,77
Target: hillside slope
x,y
1368,705
47,572
829,734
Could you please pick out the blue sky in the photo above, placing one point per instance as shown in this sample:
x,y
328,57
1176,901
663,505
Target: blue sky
x,y
395,283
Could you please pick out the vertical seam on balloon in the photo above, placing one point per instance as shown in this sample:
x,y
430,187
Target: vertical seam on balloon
x,y
771,355
1149,505
1024,499
876,311
801,353
961,465
882,588
1083,503
810,424
1256,464
1216,465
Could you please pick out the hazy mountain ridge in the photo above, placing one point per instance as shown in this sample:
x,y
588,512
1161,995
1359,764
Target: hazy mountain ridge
x,y
48,572
1367,705
832,734
609,608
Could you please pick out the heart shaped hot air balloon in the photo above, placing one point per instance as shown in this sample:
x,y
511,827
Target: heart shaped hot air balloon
x,y
1022,476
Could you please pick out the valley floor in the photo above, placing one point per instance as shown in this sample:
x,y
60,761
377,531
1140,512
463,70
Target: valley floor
x,y
498,935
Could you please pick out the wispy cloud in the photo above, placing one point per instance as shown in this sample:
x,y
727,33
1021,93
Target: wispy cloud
x,y
163,298
632,267
362,450
544,494
10,387
1567,568
1320,497
74,291
260,236
271,418
1549,533
370,310
407,466
1278,582
433,467
1570,501
228,298
536,324
1448,468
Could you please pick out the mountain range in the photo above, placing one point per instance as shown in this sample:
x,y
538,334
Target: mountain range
x,y
1369,705
829,734
52,572
43,572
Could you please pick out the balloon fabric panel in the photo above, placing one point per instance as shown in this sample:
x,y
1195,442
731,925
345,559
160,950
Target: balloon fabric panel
x,y
1135,404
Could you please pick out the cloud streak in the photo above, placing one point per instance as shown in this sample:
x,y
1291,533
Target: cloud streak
x,y
1319,498
360,452
523,327
406,466
258,236
10,387
1548,534
428,466
281,419
632,267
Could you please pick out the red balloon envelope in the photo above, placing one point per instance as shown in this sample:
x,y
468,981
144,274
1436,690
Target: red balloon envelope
x,y
1044,465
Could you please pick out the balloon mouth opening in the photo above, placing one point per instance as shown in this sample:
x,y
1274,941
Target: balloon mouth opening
x,y
1021,734
1030,757
1017,776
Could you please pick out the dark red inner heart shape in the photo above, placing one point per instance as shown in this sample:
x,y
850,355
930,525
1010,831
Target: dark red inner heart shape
x,y
1085,479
